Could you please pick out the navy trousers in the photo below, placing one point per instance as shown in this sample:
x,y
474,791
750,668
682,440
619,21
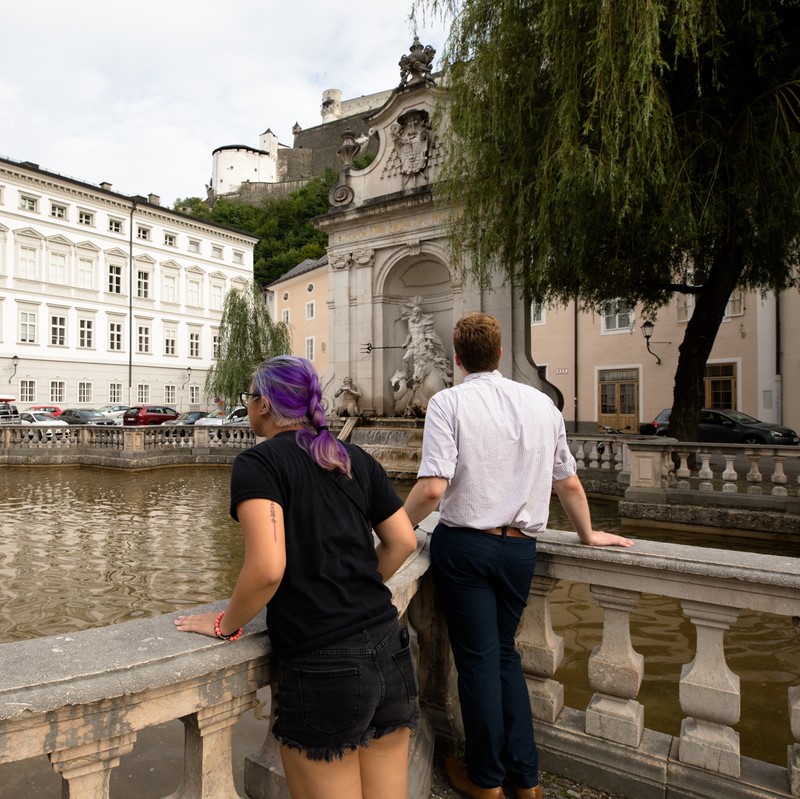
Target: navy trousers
x,y
482,582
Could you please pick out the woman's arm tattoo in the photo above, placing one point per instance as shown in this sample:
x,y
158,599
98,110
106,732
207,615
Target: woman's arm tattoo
x,y
274,517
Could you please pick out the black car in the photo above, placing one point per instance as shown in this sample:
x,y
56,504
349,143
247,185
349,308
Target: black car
x,y
190,417
727,427
84,416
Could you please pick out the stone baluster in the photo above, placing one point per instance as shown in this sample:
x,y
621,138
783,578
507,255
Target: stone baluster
x,y
794,749
729,475
615,672
705,472
709,694
754,476
608,454
207,772
580,455
594,456
542,652
779,478
86,769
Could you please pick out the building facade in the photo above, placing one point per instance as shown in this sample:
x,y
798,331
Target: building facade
x,y
106,298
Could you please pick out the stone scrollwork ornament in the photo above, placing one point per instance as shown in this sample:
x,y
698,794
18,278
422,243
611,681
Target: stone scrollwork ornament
x,y
412,136
417,64
340,260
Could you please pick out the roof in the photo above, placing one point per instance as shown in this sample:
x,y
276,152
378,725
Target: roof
x,y
309,265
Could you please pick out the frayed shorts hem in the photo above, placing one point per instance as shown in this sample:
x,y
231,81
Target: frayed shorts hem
x,y
329,753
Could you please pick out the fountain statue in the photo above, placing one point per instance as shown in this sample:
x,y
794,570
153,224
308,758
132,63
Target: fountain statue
x,y
426,369
348,404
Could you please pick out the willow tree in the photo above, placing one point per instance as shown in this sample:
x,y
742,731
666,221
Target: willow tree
x,y
628,150
247,336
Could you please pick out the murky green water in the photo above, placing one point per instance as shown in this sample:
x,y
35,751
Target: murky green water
x,y
83,548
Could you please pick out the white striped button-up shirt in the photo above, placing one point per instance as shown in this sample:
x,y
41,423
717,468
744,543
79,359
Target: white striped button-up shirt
x,y
500,444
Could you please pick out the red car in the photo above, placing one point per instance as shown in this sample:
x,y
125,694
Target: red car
x,y
52,409
149,415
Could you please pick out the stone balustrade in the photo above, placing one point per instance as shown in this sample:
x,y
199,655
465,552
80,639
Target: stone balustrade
x,y
81,699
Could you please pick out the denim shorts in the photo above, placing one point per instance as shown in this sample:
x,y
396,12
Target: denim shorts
x,y
339,697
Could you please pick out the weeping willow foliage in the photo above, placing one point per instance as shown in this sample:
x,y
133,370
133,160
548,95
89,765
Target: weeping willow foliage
x,y
600,149
247,336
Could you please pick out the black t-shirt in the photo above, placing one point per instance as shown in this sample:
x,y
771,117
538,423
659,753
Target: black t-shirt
x,y
331,586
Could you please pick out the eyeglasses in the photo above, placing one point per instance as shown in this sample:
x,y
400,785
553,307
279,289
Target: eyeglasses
x,y
246,396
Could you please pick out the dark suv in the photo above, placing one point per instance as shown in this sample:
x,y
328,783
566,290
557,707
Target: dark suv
x,y
149,415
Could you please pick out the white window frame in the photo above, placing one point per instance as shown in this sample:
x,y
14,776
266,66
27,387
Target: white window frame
x,y
143,393
194,293
311,310
170,240
311,346
27,391
58,211
58,330
194,343
170,395
28,262
215,346
85,392
169,289
622,314
85,218
85,273
28,203
142,233
217,251
170,341
216,297
115,338
538,313
143,340
57,268
115,226
238,257
58,390
285,316
85,334
28,323
194,395
193,246
115,393
143,283
114,279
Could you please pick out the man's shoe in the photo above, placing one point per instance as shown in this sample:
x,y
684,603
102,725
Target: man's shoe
x,y
456,771
527,793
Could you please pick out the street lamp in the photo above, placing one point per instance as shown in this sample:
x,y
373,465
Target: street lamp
x,y
188,376
14,363
647,332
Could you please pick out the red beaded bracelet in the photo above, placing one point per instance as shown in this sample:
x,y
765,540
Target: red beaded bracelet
x,y
220,634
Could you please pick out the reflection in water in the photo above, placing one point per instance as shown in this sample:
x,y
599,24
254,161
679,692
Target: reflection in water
x,y
83,548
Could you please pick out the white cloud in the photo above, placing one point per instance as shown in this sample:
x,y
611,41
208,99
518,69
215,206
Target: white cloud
x,y
139,94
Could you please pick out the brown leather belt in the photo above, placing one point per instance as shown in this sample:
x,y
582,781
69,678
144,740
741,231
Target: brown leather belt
x,y
511,532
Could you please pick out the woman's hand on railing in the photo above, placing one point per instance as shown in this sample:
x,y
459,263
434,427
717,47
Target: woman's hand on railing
x,y
600,538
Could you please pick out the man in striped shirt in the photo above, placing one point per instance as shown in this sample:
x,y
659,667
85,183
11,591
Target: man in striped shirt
x,y
492,452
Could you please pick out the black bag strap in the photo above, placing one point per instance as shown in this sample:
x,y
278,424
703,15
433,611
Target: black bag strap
x,y
350,487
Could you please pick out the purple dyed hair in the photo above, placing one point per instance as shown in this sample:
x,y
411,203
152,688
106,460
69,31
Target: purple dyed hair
x,y
292,387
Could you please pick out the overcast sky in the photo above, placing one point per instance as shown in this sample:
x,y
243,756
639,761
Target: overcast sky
x,y
139,93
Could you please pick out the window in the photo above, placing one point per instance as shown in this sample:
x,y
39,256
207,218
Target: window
x,y
310,288
194,245
85,275
85,392
216,252
170,336
27,391
170,395
684,307
143,233
114,279
311,310
142,284
58,267
735,306
170,240
115,393
238,257
193,293
617,316
720,386
285,296
169,287
57,391
143,339
142,393
114,226
85,333
537,313
216,297
27,263
115,337
58,211
58,330
194,395
85,218
194,344
285,316
215,346
28,203
310,349
27,327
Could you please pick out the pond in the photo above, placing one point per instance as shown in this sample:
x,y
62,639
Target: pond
x,y
83,548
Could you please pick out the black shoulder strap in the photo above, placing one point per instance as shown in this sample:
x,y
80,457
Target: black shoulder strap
x,y
350,487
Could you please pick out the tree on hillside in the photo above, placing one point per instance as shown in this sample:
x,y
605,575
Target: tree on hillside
x,y
284,225
247,336
624,150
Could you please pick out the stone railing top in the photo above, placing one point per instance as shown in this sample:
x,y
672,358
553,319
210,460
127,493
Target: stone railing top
x,y
687,572
47,673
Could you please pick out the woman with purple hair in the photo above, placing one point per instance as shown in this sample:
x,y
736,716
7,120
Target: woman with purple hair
x,y
307,505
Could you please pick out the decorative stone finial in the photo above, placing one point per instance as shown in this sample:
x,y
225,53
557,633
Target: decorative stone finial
x,y
417,65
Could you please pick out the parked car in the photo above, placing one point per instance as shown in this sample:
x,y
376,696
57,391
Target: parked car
x,y
188,418
55,410
84,416
9,414
237,416
47,420
114,412
149,415
730,427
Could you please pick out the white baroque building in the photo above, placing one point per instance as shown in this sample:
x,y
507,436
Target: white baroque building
x,y
106,298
